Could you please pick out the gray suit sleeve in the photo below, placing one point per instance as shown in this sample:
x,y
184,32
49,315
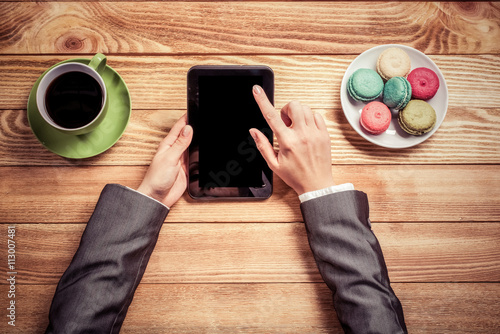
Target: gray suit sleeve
x,y
94,293
351,263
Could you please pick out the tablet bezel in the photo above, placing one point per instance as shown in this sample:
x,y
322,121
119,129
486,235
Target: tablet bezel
x,y
247,193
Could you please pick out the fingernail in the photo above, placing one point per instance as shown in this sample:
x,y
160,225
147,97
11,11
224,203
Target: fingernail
x,y
186,131
254,135
257,90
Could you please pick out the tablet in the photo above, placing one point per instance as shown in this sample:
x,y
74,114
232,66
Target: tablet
x,y
223,159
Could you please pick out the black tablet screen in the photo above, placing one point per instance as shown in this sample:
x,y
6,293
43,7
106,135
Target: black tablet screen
x,y
226,111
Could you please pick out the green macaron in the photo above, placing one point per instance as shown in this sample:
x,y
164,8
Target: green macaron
x,y
397,93
417,118
365,85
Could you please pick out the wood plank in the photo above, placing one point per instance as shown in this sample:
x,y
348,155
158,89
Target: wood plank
x,y
239,27
414,252
159,82
468,135
416,193
274,308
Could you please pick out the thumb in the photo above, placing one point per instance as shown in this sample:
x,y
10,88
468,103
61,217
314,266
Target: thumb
x,y
181,143
265,148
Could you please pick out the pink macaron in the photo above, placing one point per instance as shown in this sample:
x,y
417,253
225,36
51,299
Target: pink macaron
x,y
424,83
375,117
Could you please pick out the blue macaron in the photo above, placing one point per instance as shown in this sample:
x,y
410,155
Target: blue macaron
x,y
365,85
397,93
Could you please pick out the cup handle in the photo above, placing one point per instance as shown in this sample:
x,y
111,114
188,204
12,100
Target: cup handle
x,y
98,62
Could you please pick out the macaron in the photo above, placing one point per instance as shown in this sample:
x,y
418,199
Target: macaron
x,y
424,83
375,117
397,93
393,62
365,85
417,118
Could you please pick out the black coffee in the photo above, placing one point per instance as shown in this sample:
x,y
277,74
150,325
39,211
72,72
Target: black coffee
x,y
73,99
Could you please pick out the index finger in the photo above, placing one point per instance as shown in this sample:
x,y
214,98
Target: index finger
x,y
268,111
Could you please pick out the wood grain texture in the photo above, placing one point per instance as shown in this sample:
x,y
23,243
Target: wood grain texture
x,y
250,28
467,136
272,253
435,208
406,193
275,308
159,82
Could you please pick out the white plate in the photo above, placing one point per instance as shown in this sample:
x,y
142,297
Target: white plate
x,y
394,137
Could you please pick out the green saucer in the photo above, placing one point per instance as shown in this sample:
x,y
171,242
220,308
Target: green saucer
x,y
95,142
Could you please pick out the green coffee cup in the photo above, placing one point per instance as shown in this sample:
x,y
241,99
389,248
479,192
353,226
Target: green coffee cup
x,y
72,97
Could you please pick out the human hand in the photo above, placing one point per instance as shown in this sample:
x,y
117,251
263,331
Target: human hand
x,y
166,178
304,157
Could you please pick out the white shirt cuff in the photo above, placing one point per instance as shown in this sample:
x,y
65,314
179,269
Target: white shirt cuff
x,y
148,197
325,191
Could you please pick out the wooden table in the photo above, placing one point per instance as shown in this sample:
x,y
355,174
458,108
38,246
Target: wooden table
x,y
228,267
